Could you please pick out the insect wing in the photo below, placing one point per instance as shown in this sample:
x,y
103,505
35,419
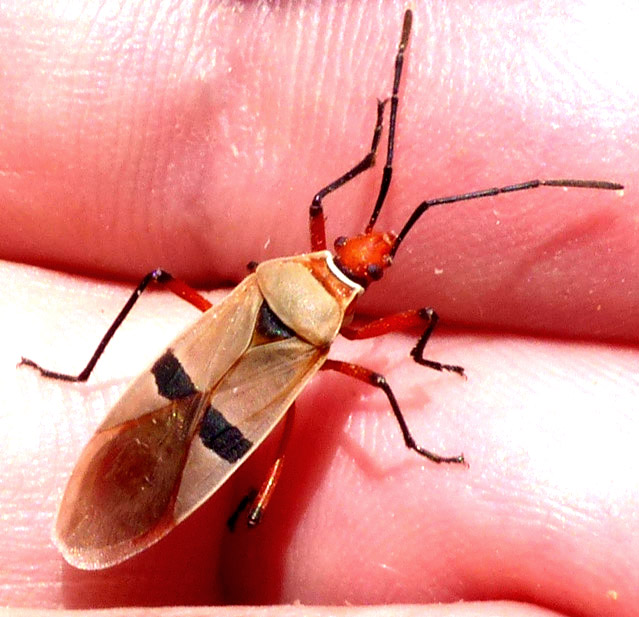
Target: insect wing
x,y
243,409
119,498
121,495
197,359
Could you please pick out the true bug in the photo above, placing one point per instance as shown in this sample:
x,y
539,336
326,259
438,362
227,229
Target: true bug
x,y
185,425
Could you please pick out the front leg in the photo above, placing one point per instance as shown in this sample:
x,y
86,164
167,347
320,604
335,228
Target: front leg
x,y
400,322
158,276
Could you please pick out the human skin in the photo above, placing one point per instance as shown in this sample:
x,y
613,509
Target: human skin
x,y
159,140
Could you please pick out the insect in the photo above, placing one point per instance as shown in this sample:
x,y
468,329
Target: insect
x,y
187,423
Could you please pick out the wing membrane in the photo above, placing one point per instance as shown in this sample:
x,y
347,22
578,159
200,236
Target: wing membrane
x,y
179,431
124,485
252,398
206,350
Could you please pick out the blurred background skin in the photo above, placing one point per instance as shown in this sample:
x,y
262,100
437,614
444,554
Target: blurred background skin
x,y
193,137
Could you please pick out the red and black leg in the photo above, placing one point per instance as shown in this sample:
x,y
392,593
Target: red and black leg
x,y
265,493
379,381
158,276
400,322
259,500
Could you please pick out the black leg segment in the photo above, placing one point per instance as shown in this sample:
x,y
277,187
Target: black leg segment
x,y
429,315
399,322
157,276
379,381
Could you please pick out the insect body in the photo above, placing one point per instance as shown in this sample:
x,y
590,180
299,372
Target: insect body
x,y
181,428
217,391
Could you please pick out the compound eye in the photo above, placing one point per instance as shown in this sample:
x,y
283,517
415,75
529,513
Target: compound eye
x,y
340,242
374,272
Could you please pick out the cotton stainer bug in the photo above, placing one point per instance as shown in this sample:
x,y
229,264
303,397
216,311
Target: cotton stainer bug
x,y
186,424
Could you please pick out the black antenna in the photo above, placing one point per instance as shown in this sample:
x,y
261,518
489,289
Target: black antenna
x,y
531,184
388,167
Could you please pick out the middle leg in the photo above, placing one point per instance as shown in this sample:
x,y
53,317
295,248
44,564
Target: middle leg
x,y
379,381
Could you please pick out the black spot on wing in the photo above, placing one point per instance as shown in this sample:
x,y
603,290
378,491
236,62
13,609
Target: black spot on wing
x,y
270,326
171,378
222,437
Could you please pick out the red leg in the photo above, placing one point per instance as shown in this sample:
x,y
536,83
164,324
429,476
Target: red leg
x,y
184,291
259,500
157,276
392,323
268,486
379,381
400,322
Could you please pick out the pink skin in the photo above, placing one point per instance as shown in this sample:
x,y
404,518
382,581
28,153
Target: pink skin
x,y
137,139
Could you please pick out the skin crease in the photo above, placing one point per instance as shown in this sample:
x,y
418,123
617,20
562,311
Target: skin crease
x,y
136,138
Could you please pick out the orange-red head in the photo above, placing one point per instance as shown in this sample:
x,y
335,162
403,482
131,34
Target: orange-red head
x,y
364,258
